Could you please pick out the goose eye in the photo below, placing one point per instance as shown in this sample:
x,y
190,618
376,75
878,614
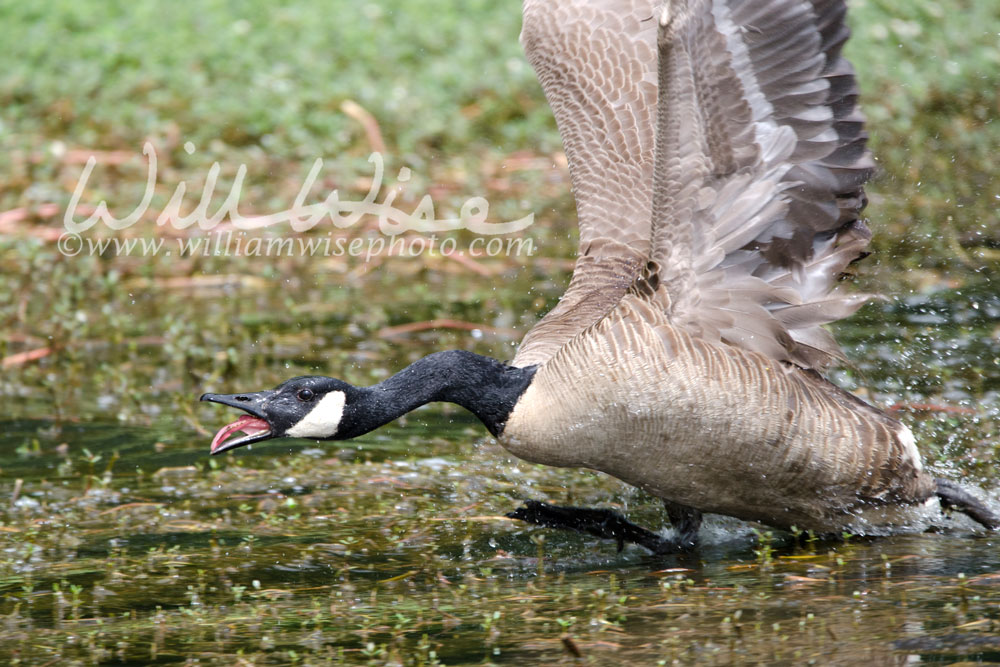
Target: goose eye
x,y
305,395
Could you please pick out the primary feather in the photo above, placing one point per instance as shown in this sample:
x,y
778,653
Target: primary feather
x,y
724,146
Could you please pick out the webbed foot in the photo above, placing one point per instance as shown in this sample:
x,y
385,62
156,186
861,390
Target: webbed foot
x,y
603,523
954,496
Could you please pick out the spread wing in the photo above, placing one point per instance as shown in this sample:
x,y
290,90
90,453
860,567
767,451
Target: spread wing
x,y
719,138
596,62
760,164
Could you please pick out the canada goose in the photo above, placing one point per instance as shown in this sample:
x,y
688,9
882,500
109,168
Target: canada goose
x,y
718,158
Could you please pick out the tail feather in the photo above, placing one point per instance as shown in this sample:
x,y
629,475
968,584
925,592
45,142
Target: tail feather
x,y
954,496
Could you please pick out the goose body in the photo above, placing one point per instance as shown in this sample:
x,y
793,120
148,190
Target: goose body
x,y
713,427
718,160
683,359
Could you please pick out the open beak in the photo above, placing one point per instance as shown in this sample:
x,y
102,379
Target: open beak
x,y
253,424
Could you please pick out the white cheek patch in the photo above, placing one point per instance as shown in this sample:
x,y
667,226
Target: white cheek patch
x,y
323,420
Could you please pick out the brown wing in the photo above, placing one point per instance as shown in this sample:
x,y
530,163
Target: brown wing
x,y
596,62
760,164
756,185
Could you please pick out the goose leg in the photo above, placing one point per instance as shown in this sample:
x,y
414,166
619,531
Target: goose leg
x,y
953,495
686,521
603,523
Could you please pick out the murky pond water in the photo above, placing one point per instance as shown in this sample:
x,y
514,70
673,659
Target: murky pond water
x,y
127,544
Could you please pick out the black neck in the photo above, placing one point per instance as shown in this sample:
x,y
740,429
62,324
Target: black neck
x,y
485,387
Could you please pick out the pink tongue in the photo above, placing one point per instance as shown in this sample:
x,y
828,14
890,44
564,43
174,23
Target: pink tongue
x,y
246,423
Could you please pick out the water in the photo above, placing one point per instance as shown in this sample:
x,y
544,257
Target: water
x,y
125,543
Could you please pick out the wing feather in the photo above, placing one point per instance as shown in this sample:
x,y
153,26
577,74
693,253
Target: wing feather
x,y
596,61
788,217
720,139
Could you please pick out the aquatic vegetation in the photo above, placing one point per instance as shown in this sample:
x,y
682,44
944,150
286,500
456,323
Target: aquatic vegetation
x,y
392,556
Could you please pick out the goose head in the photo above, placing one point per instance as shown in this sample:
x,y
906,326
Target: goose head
x,y
318,408
324,408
